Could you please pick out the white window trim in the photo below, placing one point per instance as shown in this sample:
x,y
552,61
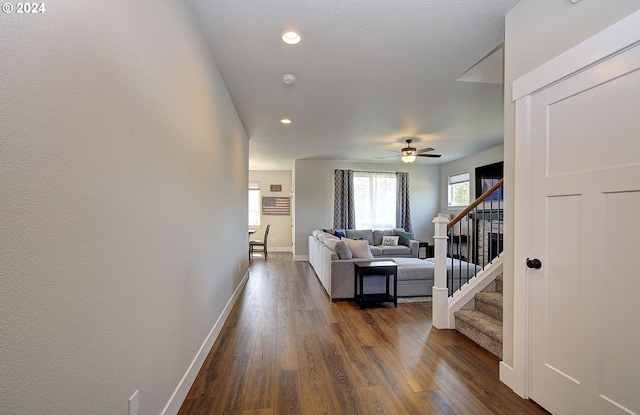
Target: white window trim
x,y
391,219
254,187
455,179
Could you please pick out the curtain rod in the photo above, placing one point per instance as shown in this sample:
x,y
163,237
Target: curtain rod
x,y
378,172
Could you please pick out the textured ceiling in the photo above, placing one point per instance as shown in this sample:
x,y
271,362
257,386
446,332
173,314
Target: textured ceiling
x,y
369,74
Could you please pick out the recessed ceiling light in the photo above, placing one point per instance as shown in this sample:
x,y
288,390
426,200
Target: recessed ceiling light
x,y
290,37
289,79
285,121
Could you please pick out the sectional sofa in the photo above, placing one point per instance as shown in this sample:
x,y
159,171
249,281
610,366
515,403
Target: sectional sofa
x,y
333,263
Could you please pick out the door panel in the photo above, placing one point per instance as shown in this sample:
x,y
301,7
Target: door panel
x,y
563,254
621,341
584,180
603,141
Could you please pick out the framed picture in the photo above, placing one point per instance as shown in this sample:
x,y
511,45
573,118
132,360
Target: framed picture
x,y
276,206
486,177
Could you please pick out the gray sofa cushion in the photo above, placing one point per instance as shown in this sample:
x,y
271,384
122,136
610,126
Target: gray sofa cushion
x,y
414,269
395,250
378,234
339,247
366,234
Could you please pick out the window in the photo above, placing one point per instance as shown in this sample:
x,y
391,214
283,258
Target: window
x,y
375,200
459,190
254,204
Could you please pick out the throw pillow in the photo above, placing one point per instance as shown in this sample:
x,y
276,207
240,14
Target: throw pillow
x,y
379,233
340,234
359,249
343,250
390,240
404,237
340,248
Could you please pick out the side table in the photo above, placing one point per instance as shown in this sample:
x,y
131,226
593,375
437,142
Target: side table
x,y
367,269
428,250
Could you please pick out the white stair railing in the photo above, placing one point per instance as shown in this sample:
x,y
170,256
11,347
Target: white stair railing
x,y
444,288
440,293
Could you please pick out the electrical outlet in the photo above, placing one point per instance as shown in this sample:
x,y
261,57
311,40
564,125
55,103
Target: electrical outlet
x,y
133,404
273,240
239,269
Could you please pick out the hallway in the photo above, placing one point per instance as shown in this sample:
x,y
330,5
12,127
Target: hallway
x,y
286,349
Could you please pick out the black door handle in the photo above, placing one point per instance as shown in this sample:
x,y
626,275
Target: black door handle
x,y
534,263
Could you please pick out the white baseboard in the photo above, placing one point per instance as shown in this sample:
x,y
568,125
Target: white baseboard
x,y
178,396
280,249
301,257
509,377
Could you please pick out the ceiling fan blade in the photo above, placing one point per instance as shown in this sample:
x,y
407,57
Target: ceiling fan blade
x,y
425,150
411,151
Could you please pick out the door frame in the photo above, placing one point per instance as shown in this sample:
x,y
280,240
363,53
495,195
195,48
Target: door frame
x,y
607,43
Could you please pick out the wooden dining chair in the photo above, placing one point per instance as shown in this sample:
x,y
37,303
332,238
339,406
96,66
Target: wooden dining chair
x,y
260,244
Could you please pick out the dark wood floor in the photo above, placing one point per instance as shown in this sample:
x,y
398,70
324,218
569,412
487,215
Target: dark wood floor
x,y
286,349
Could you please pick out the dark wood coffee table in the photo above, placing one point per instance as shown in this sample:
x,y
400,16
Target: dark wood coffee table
x,y
371,268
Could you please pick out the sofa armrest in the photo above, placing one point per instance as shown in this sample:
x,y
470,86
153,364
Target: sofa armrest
x,y
415,248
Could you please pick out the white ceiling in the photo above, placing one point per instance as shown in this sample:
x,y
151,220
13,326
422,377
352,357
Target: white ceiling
x,y
369,74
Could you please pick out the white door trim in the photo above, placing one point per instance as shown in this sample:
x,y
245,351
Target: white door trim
x,y
609,42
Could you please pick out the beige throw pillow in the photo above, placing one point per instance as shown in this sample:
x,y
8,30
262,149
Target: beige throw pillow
x,y
359,249
390,240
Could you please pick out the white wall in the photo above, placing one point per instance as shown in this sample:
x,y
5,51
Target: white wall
x,y
123,190
466,165
280,232
314,196
535,32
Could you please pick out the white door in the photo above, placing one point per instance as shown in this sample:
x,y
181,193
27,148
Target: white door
x,y
583,135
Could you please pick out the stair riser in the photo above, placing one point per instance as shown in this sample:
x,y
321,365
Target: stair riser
x,y
486,342
489,309
484,324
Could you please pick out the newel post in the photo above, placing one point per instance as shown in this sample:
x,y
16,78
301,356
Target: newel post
x,y
440,291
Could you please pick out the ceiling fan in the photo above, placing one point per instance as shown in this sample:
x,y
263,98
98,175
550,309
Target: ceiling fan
x,y
409,153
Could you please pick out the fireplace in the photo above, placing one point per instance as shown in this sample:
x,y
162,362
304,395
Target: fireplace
x,y
495,244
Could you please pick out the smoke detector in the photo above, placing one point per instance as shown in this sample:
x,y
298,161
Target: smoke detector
x,y
289,79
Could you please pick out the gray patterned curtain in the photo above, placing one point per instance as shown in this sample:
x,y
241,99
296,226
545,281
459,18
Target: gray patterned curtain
x,y
403,210
344,213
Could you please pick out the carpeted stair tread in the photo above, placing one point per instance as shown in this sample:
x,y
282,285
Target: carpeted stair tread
x,y
481,328
499,283
490,303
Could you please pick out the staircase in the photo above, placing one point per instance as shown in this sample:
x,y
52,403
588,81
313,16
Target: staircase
x,y
483,324
480,227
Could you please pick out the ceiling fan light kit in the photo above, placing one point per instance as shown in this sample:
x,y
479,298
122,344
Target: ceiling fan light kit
x,y
409,154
